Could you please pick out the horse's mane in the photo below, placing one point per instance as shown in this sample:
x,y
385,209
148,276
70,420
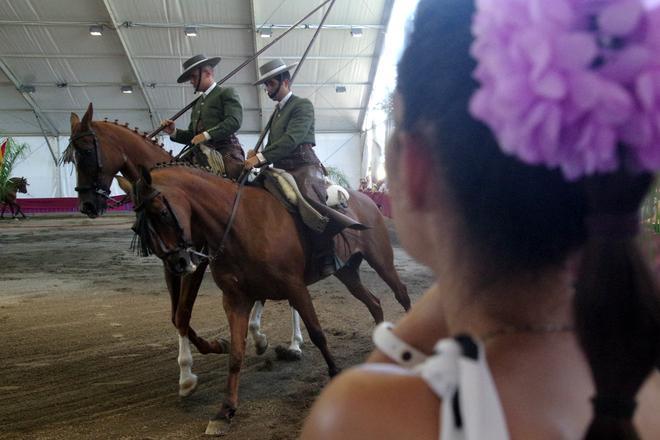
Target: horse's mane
x,y
144,135
68,155
139,244
183,163
18,180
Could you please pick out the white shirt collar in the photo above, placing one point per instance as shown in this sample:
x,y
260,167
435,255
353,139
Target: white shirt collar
x,y
284,100
211,87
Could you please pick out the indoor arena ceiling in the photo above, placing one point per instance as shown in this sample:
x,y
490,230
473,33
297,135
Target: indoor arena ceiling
x,y
51,64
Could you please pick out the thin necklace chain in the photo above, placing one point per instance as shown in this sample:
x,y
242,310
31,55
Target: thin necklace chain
x,y
539,329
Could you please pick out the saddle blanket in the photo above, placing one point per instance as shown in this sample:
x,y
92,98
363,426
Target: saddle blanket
x,y
283,186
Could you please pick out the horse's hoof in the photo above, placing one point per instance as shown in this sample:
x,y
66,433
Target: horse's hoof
x,y
225,345
188,386
287,354
261,348
216,428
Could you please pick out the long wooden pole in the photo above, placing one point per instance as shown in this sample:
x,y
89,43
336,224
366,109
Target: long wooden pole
x,y
266,129
295,72
309,46
248,61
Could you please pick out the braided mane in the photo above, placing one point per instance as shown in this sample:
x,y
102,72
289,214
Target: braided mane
x,y
140,241
68,155
136,130
183,163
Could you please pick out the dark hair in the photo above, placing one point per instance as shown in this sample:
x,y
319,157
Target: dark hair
x,y
286,75
528,218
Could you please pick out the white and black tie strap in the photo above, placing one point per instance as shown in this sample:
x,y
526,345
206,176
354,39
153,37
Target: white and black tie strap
x,y
399,351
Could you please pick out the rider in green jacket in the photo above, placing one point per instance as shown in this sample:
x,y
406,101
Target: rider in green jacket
x,y
216,117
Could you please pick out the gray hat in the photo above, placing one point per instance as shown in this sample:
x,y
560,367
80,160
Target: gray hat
x,y
271,69
196,62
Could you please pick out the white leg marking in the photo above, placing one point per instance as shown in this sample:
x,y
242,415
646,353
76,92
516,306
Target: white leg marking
x,y
187,380
260,339
296,334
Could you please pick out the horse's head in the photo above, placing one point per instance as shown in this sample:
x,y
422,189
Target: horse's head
x,y
95,168
20,183
162,224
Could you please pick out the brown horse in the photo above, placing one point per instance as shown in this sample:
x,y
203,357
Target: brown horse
x,y
8,197
263,257
99,150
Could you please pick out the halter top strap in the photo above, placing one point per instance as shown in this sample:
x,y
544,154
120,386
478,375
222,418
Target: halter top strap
x,y
458,374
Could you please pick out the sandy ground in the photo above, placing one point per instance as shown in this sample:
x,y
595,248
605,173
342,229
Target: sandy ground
x,y
88,349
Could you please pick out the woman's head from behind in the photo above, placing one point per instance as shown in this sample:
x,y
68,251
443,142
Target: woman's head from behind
x,y
514,128
520,216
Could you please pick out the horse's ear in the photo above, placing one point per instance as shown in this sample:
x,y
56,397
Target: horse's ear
x,y
75,120
145,175
125,184
87,118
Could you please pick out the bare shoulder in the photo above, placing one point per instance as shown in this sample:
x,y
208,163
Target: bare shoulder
x,y
648,402
363,403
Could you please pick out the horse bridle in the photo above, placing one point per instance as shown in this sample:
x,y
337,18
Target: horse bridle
x,y
96,187
182,244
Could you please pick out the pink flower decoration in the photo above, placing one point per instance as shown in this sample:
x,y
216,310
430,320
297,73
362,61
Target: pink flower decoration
x,y
564,82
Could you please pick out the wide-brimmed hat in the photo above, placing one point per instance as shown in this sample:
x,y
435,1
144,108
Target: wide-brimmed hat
x,y
271,69
196,62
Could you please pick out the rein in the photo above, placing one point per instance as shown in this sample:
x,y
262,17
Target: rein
x,y
230,223
232,217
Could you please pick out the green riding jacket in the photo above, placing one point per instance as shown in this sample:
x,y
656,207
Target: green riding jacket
x,y
293,125
221,115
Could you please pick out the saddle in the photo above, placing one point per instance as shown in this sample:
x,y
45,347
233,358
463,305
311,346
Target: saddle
x,y
317,217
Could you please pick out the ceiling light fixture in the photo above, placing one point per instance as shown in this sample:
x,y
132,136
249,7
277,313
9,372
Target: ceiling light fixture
x,y
266,33
96,30
190,31
356,32
127,89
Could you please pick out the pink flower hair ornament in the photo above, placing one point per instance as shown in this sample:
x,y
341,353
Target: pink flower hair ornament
x,y
563,83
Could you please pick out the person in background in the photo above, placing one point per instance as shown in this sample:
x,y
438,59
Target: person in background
x,y
526,140
216,117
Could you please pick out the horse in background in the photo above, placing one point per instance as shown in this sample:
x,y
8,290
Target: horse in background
x,y
8,196
263,256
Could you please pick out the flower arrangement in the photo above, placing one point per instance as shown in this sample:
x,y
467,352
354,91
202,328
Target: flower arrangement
x,y
565,83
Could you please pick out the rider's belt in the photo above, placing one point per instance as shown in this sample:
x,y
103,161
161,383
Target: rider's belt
x,y
303,154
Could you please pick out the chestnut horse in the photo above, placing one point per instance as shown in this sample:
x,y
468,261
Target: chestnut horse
x,y
8,198
263,256
100,150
